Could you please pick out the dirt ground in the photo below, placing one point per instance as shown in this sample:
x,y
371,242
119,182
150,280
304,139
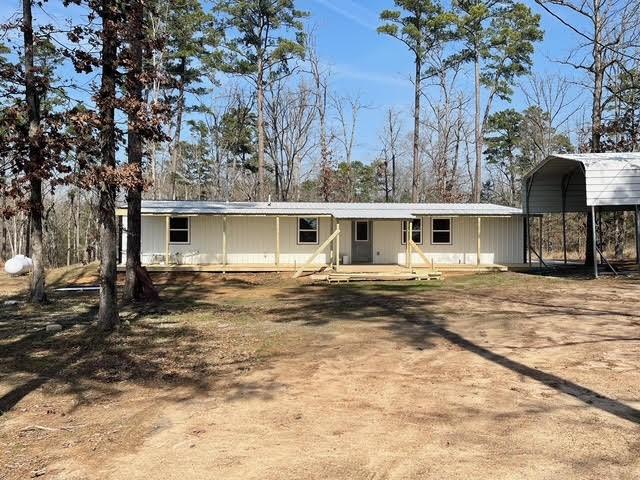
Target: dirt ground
x,y
496,376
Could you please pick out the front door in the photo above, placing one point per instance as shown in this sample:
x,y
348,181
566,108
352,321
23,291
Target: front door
x,y
361,243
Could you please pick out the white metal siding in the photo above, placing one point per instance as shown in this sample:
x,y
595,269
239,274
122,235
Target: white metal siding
x,y
500,242
613,186
252,240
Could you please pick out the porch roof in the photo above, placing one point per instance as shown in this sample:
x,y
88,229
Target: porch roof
x,y
372,211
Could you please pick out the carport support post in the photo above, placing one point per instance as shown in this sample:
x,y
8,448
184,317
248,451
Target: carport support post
x,y
478,245
540,239
594,246
564,218
277,243
637,223
166,239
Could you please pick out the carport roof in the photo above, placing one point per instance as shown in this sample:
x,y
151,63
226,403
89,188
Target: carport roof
x,y
375,211
604,180
593,161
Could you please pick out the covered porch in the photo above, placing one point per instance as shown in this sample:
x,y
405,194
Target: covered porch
x,y
415,240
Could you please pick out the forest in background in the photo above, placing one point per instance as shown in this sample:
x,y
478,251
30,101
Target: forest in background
x,y
230,100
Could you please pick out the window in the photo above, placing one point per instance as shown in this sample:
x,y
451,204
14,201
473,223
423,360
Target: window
x,y
416,231
362,231
307,230
441,231
179,230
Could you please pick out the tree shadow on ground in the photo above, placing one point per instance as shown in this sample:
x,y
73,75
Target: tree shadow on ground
x,y
154,347
411,315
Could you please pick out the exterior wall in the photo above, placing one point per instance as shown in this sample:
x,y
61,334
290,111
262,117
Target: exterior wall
x,y
613,183
252,240
501,242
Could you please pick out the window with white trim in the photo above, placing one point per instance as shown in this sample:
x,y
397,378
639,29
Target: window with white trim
x,y
441,231
179,230
416,231
307,230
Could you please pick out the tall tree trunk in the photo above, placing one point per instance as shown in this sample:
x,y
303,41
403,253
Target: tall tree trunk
x,y
175,152
33,170
619,236
477,180
416,130
596,116
132,288
69,229
261,191
108,318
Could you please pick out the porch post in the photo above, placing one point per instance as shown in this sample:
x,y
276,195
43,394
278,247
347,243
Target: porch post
x,y
331,249
637,222
166,240
338,245
277,243
540,239
224,241
478,246
594,246
409,239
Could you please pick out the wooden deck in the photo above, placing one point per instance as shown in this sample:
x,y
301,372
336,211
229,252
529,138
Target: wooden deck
x,y
345,272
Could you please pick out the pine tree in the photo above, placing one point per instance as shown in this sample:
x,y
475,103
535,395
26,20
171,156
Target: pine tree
x,y
498,38
260,51
422,25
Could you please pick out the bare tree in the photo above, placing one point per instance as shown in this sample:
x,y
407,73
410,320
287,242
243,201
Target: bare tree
x,y
290,116
320,79
391,152
347,109
612,35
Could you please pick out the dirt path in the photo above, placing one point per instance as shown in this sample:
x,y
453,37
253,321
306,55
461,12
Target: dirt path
x,y
530,379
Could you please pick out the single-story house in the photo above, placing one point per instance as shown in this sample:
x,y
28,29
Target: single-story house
x,y
278,236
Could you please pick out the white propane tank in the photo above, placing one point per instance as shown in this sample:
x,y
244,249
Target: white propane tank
x,y
18,265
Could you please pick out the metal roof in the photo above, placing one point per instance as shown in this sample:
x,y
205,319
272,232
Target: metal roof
x,y
609,180
381,211
593,161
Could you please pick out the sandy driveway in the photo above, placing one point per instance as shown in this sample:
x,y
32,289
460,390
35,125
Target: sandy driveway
x,y
537,379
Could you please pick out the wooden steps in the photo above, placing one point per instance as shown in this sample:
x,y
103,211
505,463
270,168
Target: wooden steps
x,y
338,277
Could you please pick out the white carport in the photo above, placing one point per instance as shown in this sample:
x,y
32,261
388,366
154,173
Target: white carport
x,y
589,183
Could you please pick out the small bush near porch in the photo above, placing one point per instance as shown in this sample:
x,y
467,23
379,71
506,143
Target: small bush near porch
x,y
260,376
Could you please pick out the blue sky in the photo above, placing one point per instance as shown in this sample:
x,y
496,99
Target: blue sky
x,y
378,67
374,66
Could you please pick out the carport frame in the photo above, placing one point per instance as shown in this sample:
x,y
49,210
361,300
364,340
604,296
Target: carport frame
x,y
603,166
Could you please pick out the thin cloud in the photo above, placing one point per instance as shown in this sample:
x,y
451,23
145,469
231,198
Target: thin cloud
x,y
352,11
353,73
